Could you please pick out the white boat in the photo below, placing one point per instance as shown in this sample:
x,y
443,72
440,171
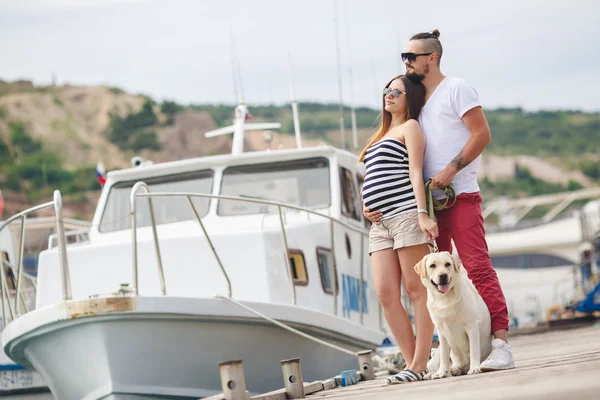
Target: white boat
x,y
537,261
123,316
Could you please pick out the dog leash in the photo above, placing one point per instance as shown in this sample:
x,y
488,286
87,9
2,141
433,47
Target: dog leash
x,y
433,247
434,204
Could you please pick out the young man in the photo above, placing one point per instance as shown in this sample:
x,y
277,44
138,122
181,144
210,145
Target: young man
x,y
456,133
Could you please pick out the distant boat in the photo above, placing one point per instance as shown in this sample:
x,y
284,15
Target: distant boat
x,y
536,261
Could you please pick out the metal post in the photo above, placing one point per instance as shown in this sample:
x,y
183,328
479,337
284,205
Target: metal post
x,y
161,272
4,290
292,378
2,310
20,268
132,199
233,381
211,246
362,275
365,362
334,274
161,275
287,257
10,308
62,248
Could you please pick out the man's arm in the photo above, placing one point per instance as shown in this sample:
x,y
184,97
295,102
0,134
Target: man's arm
x,y
475,120
477,124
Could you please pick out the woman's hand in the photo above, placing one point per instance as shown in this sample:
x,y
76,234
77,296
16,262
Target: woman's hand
x,y
373,216
428,226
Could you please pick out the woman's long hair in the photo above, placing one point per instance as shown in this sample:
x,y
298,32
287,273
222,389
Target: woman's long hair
x,y
415,100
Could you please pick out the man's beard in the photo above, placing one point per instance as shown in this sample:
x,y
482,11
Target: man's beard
x,y
417,78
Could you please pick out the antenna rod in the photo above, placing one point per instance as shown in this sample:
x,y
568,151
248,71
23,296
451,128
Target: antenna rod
x,y
233,65
352,110
339,65
237,71
294,105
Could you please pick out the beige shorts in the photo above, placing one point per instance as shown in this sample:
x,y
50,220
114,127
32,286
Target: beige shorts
x,y
401,230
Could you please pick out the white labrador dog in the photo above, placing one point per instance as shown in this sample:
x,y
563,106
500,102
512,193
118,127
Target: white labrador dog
x,y
459,314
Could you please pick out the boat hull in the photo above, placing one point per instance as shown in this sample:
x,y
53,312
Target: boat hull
x,y
140,354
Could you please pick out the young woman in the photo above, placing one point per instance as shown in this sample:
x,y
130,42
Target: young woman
x,y
394,200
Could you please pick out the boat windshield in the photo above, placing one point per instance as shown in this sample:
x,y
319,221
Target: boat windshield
x,y
302,183
166,209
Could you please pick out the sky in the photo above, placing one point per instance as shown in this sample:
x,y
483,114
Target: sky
x,y
532,54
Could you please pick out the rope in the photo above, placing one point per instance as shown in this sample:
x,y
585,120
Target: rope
x,y
433,204
286,327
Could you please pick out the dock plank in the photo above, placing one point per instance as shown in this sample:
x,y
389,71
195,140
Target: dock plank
x,y
552,365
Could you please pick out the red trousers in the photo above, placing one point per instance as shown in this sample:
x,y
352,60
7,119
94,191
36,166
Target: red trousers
x,y
463,223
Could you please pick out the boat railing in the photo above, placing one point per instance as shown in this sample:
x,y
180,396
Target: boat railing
x,y
141,186
9,309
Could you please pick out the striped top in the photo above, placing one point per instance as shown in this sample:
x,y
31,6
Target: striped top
x,y
387,186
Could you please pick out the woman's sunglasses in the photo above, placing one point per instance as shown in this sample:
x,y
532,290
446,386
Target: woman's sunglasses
x,y
395,92
412,57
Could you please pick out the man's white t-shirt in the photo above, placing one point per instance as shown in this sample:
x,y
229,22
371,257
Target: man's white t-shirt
x,y
446,134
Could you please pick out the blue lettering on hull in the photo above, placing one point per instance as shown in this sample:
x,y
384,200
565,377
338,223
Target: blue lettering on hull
x,y
351,296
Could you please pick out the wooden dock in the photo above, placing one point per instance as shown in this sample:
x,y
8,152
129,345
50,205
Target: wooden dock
x,y
551,365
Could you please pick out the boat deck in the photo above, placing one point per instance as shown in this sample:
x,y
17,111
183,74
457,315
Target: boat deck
x,y
561,365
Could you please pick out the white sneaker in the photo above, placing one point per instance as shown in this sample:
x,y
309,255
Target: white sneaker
x,y
500,358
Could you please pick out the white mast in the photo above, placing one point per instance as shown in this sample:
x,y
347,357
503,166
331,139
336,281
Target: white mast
x,y
241,113
239,127
294,105
352,111
339,65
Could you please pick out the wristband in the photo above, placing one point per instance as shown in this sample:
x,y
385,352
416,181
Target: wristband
x,y
422,211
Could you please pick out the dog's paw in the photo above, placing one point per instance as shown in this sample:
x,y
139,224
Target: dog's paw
x,y
440,374
428,376
456,371
472,371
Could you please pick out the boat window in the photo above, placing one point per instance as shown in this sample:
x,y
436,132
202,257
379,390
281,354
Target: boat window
x,y
166,209
327,270
360,178
525,261
302,183
351,204
298,267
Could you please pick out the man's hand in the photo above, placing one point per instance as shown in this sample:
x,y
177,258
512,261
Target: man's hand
x,y
444,178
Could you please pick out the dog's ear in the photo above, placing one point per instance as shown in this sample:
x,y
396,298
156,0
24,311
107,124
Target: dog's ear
x,y
420,268
456,262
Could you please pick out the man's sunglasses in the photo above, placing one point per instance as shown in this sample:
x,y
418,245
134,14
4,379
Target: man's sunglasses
x,y
412,57
395,92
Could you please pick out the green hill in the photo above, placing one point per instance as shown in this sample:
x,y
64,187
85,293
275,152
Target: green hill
x,y
52,137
